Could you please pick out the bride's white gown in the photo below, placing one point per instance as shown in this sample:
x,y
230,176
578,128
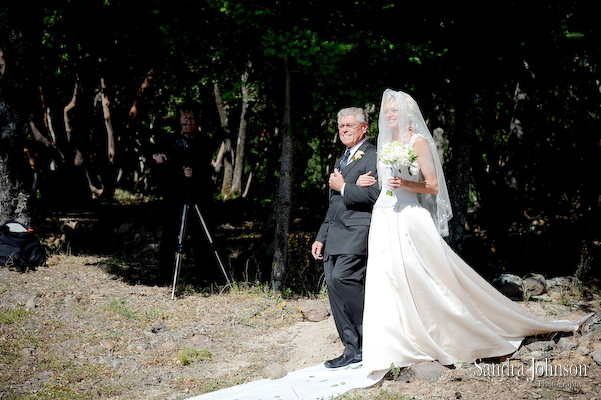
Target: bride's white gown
x,y
423,302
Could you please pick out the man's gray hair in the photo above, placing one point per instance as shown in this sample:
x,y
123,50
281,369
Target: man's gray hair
x,y
356,112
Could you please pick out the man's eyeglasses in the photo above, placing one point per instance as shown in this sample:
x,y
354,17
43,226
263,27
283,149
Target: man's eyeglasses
x,y
350,126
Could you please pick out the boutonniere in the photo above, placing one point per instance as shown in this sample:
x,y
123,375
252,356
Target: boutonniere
x,y
358,155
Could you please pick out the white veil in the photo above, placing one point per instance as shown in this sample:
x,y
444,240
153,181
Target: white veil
x,y
410,119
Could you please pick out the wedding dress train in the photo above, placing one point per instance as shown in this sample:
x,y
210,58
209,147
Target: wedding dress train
x,y
423,302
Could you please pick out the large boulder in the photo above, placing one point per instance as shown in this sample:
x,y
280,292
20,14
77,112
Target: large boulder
x,y
592,324
561,282
429,371
510,285
536,285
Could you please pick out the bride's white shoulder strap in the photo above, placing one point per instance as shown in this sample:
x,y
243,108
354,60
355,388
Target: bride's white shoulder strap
x,y
414,138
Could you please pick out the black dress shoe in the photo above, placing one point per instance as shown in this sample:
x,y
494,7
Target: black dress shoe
x,y
342,361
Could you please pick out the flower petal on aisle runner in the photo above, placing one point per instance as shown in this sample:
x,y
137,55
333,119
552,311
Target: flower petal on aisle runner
x,y
317,382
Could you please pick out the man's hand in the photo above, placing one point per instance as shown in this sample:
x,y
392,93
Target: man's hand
x,y
365,180
159,158
317,250
336,180
188,172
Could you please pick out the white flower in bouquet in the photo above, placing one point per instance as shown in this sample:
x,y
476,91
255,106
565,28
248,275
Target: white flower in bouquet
x,y
397,155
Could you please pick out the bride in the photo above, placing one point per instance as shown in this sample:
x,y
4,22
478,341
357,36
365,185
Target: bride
x,y
422,301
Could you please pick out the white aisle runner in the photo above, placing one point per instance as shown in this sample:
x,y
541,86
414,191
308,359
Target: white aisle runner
x,y
317,382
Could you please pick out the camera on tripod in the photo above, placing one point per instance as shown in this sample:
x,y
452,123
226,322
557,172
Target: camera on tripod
x,y
191,202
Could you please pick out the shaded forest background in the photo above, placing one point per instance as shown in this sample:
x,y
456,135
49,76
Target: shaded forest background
x,y
510,90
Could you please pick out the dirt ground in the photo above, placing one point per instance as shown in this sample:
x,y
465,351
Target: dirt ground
x,y
76,330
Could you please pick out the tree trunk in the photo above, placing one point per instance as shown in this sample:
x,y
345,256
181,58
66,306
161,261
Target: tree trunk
x,y
218,162
232,159
37,135
228,169
69,107
14,198
108,123
247,187
227,154
514,158
459,176
132,168
110,171
236,188
280,245
133,111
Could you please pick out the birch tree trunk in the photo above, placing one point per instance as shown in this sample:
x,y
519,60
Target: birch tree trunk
x,y
232,160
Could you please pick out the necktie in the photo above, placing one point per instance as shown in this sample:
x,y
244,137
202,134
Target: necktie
x,y
344,159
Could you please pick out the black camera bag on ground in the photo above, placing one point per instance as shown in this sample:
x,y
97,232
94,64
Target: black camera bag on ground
x,y
20,248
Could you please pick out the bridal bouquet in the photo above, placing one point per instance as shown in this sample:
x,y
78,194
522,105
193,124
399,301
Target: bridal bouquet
x,y
397,155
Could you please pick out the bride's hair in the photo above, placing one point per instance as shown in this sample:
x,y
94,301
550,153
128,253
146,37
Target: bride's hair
x,y
409,117
410,122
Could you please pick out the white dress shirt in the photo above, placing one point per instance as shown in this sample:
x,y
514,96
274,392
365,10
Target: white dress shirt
x,y
353,150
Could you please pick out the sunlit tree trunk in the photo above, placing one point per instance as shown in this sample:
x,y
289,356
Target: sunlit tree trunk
x,y
236,188
138,166
230,159
226,152
107,172
133,111
68,108
228,169
108,123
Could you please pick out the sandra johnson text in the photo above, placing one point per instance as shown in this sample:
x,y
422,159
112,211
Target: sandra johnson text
x,y
536,369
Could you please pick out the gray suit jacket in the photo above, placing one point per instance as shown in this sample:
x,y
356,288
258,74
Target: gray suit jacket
x,y
346,225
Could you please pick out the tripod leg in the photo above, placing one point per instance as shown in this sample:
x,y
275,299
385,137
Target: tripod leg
x,y
210,240
178,250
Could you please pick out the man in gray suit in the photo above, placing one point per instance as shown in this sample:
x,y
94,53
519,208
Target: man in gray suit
x,y
342,239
